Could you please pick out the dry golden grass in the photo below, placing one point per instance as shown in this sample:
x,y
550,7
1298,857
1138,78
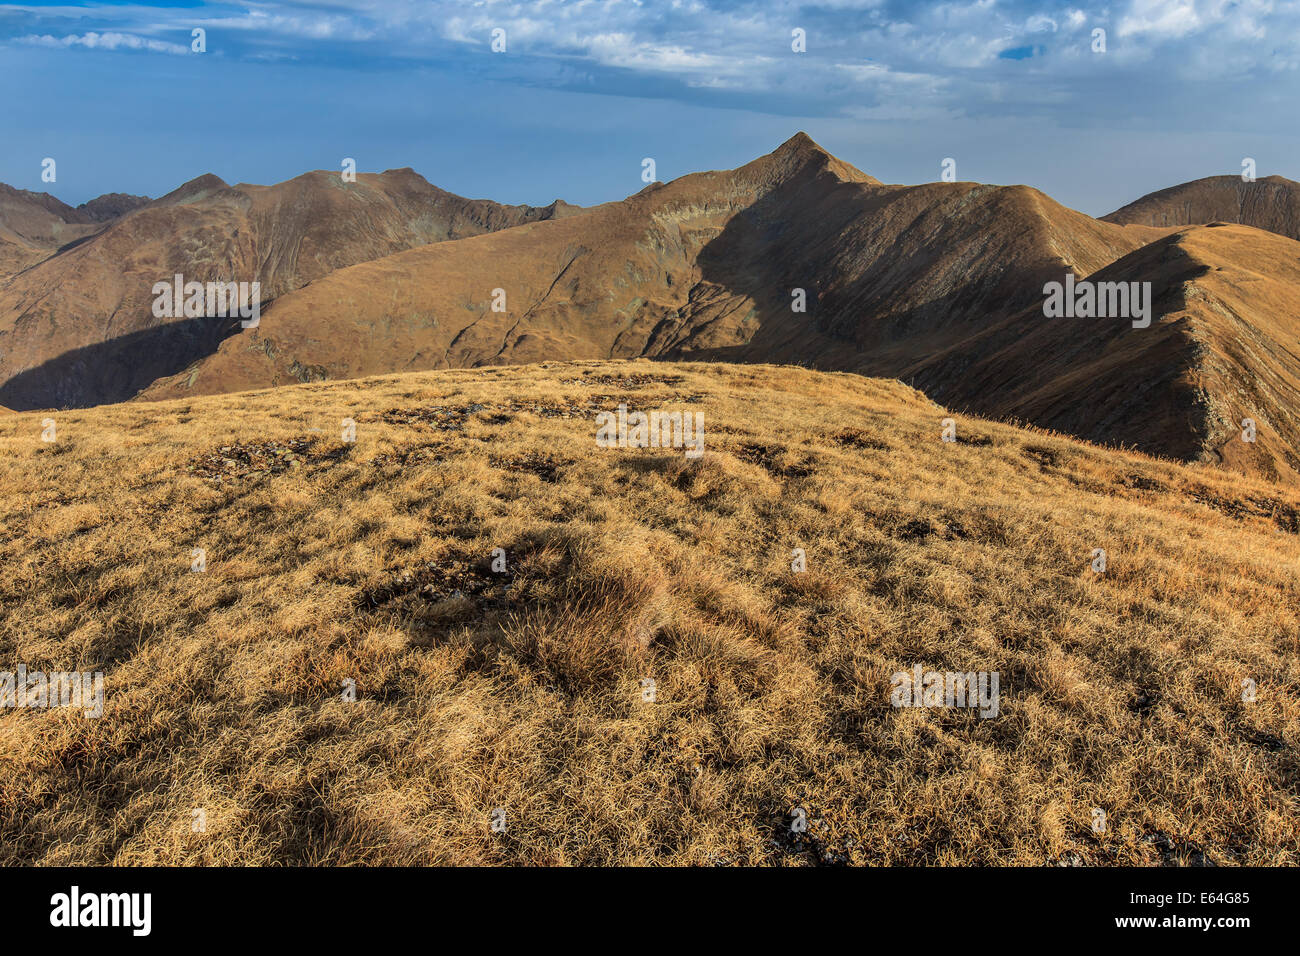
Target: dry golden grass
x,y
1120,691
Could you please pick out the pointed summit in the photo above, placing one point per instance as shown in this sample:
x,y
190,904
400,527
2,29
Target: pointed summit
x,y
801,148
800,143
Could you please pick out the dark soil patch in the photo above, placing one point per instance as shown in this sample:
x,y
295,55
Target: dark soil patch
x,y
410,456
1143,701
249,461
455,579
1175,851
856,438
545,467
460,589
1142,483
813,846
916,530
438,417
1285,516
1046,457
625,381
766,456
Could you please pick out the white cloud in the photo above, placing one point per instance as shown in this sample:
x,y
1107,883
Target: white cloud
x,y
1163,18
942,56
107,41
336,27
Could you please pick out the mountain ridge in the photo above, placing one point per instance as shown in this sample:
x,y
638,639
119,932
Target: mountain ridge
x,y
795,257
1271,203
282,236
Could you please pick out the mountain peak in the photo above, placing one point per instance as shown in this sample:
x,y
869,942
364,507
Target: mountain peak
x,y
800,142
198,188
801,149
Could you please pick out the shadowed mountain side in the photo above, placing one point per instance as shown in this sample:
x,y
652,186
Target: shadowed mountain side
x,y
706,262
703,267
889,273
1224,345
283,236
595,286
1271,203
119,366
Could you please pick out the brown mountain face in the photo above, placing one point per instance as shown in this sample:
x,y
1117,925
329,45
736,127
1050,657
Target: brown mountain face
x,y
33,226
704,267
1271,203
78,328
796,257
111,206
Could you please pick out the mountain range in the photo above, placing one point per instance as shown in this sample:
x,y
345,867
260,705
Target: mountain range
x,y
795,258
76,320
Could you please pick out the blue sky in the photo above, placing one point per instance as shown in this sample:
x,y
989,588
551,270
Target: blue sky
x,y
584,90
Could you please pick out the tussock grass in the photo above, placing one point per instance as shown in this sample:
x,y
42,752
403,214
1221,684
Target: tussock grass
x,y
370,561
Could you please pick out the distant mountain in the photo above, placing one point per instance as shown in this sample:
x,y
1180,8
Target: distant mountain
x,y
111,206
710,266
32,227
77,328
1271,203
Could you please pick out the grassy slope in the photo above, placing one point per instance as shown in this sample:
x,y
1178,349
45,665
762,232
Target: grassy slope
x,y
1119,691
